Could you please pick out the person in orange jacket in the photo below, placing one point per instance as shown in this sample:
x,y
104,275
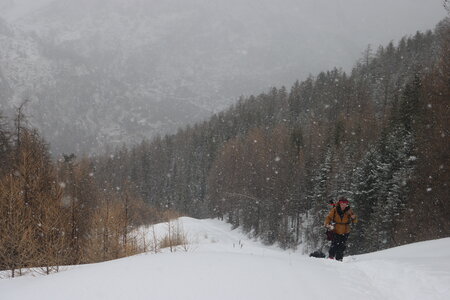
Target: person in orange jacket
x,y
338,221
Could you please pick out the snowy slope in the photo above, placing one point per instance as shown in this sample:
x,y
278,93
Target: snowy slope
x,y
217,267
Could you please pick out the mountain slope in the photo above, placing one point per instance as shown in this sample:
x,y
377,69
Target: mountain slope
x,y
124,70
217,267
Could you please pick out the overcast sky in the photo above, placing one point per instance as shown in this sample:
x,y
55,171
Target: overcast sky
x,y
423,13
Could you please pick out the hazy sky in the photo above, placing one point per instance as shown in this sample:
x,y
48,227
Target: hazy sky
x,y
356,22
302,36
419,12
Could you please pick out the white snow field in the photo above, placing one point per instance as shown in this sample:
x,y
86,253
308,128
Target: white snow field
x,y
224,264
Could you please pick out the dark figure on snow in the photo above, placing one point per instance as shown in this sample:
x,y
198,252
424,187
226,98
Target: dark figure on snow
x,y
338,220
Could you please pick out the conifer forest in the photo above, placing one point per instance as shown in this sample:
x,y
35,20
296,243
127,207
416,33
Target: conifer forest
x,y
270,164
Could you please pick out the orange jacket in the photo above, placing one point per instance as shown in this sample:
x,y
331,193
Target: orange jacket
x,y
342,225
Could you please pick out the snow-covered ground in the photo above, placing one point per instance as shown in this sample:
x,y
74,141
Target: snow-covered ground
x,y
221,263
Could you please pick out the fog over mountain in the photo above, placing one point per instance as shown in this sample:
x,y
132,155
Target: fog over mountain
x,y
106,72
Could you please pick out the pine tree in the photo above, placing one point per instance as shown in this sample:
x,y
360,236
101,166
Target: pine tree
x,y
365,181
318,199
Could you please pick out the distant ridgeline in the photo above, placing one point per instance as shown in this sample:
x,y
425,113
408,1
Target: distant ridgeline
x,y
272,162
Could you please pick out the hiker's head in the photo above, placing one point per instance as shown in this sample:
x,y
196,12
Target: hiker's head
x,y
343,202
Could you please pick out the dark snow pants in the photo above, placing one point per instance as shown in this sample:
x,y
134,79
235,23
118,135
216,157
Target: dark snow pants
x,y
338,246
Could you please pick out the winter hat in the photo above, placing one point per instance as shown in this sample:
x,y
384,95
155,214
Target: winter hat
x,y
343,200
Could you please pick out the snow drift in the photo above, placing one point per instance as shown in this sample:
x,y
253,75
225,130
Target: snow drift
x,y
221,263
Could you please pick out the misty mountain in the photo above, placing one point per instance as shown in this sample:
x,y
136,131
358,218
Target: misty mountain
x,y
105,72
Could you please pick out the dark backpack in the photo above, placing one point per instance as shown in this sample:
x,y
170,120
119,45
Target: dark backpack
x,y
318,254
